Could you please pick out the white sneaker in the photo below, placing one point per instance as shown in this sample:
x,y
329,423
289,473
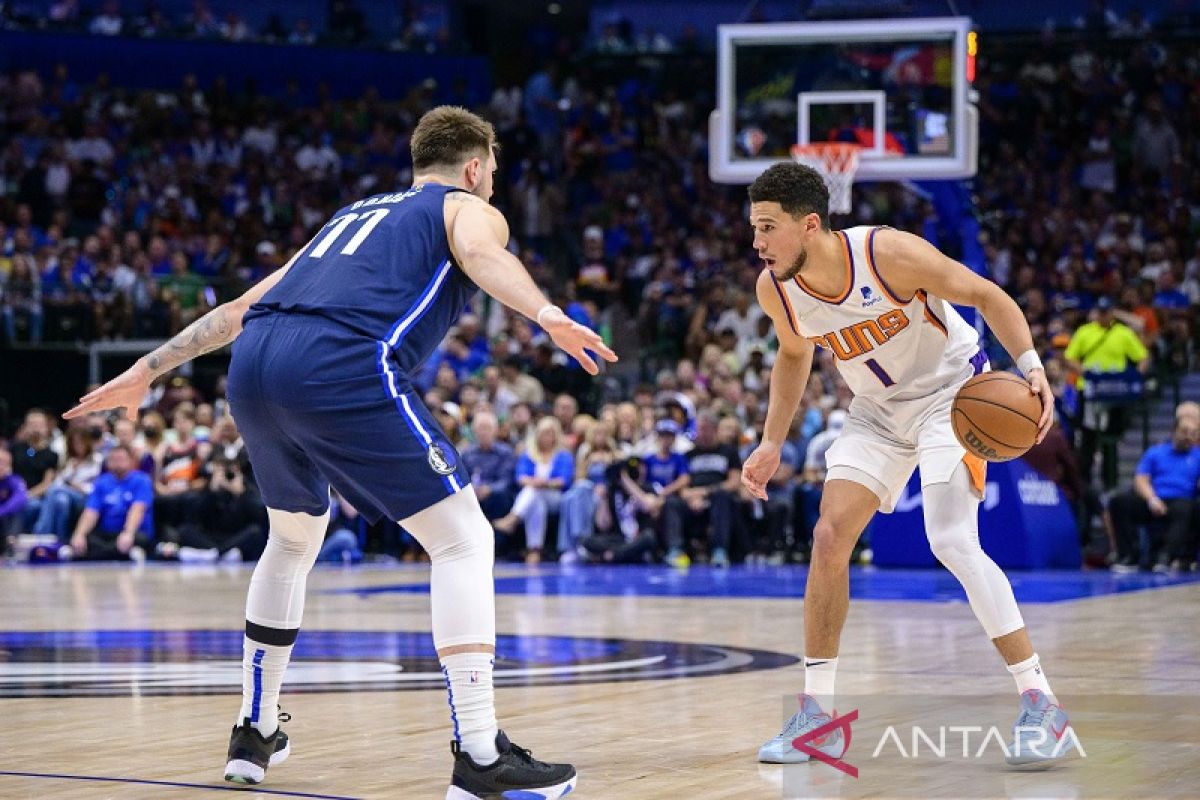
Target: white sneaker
x,y
66,553
194,555
232,556
137,555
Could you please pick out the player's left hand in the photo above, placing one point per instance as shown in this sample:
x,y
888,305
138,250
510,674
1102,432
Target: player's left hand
x,y
576,339
1040,386
124,392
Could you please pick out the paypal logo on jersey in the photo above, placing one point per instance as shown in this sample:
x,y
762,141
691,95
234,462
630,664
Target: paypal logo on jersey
x,y
869,297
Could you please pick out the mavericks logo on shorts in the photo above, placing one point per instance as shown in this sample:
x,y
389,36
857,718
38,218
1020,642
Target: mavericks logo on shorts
x,y
441,459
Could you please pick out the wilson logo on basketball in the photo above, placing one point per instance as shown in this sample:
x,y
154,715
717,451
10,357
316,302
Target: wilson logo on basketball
x,y
979,447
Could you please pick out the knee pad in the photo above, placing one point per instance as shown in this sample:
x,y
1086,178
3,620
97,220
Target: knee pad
x,y
460,543
951,512
297,534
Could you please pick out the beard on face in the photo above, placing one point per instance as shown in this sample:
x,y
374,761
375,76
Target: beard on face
x,y
796,266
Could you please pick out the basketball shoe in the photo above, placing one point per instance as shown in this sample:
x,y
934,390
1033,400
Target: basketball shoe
x,y
250,753
516,775
1038,733
780,750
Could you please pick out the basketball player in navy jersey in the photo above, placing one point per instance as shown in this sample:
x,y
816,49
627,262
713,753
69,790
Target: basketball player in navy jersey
x,y
319,384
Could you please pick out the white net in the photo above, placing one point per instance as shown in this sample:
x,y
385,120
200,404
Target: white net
x,y
837,162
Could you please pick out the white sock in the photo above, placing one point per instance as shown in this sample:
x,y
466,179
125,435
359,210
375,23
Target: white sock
x,y
819,676
262,666
473,704
1028,675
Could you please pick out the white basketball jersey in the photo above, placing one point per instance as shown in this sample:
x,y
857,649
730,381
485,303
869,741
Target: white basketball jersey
x,y
886,348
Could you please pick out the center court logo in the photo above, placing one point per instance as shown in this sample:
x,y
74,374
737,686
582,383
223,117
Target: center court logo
x,y
118,663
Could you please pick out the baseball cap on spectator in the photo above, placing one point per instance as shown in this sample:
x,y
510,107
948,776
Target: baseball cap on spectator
x,y
666,426
593,232
1105,303
836,421
265,248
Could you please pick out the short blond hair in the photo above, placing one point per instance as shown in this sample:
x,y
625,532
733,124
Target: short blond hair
x,y
448,136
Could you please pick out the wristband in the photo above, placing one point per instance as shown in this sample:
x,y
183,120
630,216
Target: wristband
x,y
1028,362
544,309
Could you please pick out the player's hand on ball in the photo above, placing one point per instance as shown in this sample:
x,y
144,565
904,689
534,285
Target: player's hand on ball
x,y
576,339
1040,386
760,466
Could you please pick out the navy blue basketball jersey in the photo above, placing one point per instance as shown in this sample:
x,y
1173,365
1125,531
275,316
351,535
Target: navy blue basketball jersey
x,y
382,268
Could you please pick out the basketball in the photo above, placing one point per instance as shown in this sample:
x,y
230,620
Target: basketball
x,y
995,416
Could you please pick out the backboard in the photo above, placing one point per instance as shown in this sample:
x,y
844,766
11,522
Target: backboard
x,y
900,88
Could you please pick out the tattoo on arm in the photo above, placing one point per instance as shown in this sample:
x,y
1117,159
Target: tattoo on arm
x,y
463,197
214,330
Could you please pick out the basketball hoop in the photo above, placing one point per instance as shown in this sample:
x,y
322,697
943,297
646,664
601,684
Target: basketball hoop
x,y
837,162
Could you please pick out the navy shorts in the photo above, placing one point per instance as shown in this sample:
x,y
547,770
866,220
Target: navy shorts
x,y
318,404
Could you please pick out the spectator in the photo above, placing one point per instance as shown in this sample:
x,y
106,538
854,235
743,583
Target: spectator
x,y
151,440
774,521
581,502
524,387
108,22
565,410
21,299
807,498
228,518
1156,145
492,464
713,483
544,471
183,291
1055,460
65,498
1103,346
12,504
34,461
625,524
1164,489
665,476
117,521
180,460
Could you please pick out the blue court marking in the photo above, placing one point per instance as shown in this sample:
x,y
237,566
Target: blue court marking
x,y
866,583
174,785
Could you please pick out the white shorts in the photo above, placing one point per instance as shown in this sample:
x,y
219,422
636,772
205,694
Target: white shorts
x,y
887,441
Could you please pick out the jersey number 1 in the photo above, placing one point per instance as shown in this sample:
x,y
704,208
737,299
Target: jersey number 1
x,y
880,372
338,225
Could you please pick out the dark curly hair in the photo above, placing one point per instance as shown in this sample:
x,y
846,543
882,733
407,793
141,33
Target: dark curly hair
x,y
798,189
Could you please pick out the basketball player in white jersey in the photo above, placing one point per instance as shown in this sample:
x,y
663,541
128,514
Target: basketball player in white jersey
x,y
879,300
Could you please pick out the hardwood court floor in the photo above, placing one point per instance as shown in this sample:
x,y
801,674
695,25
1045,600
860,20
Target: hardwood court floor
x,y
90,657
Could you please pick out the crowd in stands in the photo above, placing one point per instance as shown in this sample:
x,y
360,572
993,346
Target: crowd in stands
x,y
127,213
344,24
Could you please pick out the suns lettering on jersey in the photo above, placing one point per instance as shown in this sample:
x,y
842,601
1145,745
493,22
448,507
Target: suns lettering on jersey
x,y
855,340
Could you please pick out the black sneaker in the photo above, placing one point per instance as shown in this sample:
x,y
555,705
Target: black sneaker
x,y
516,775
250,753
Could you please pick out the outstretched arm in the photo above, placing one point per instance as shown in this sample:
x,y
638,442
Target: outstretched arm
x,y
478,234
211,332
909,263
